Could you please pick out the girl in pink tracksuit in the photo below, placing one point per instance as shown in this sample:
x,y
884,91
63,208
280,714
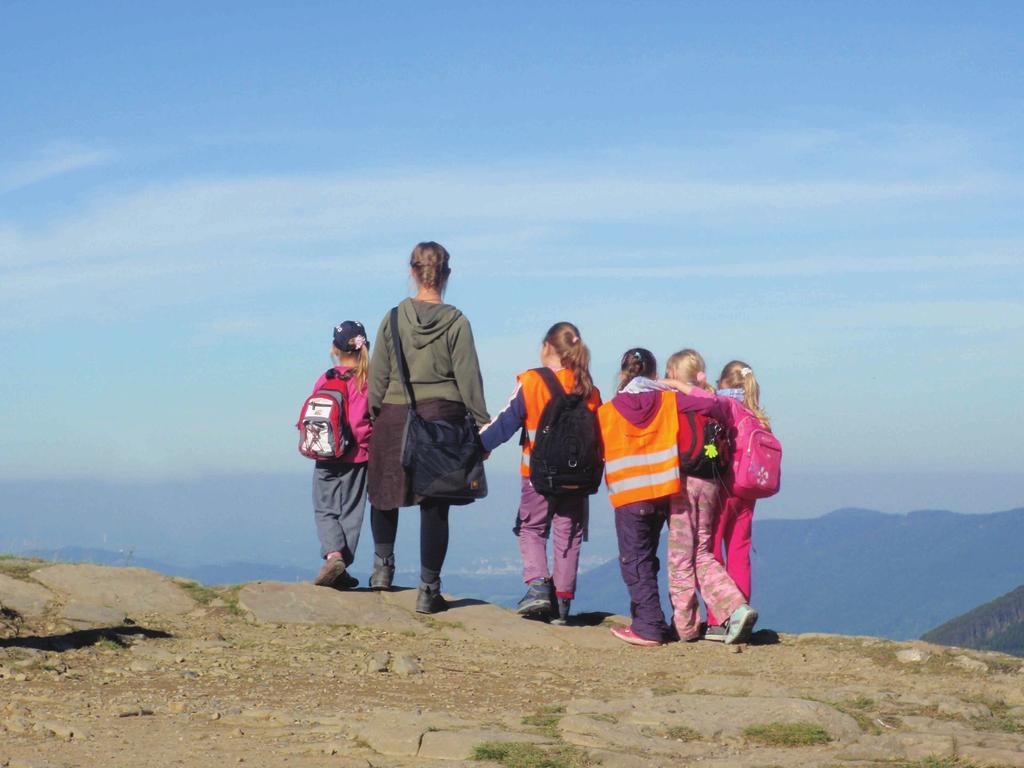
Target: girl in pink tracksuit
x,y
339,485
739,392
692,516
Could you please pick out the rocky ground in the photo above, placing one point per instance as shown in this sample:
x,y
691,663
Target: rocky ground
x,y
117,666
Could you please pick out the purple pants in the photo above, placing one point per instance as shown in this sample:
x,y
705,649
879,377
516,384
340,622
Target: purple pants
x,y
537,517
639,530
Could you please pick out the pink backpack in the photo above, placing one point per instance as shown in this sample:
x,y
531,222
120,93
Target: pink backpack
x,y
757,461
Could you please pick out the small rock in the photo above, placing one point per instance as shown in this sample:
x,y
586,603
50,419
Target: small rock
x,y
378,662
176,707
215,716
132,710
971,665
405,664
735,648
142,667
18,724
912,656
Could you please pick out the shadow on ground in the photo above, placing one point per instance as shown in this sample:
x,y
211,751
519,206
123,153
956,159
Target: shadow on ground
x,y
83,638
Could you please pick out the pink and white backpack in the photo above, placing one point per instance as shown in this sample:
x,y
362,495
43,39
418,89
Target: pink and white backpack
x,y
756,462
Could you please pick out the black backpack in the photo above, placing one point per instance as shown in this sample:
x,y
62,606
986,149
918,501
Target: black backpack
x,y
567,458
703,447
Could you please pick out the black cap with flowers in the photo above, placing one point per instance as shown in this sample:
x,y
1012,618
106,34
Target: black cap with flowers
x,y
350,336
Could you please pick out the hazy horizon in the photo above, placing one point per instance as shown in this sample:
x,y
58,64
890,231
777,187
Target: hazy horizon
x,y
829,192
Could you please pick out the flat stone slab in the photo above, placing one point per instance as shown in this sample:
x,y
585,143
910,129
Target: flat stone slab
x,y
281,603
90,615
26,598
459,745
648,723
135,591
492,622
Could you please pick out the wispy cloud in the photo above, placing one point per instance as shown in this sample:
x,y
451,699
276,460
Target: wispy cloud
x,y
55,161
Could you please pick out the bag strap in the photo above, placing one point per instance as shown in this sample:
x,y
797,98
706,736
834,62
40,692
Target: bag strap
x,y
553,384
403,367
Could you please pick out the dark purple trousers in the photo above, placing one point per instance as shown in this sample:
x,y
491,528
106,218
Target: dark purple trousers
x,y
639,527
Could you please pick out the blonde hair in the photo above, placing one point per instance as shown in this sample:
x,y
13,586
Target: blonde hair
x,y
684,366
429,262
739,375
362,364
565,339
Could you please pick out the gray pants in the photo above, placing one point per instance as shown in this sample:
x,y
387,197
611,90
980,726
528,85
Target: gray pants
x,y
339,495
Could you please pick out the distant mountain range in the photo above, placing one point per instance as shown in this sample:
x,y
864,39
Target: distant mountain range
x,y
862,572
853,571
995,626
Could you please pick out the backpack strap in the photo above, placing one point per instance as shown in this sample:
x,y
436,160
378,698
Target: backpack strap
x,y
403,367
332,373
553,384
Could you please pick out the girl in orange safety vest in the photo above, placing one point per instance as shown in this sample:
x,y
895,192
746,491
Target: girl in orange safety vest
x,y
549,592
640,428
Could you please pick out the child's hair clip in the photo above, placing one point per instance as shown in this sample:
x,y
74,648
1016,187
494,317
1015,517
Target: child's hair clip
x,y
744,372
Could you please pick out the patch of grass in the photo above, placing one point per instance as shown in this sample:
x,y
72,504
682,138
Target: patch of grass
x,y
999,721
20,567
682,733
199,592
935,762
602,718
861,702
664,690
787,734
546,718
109,644
433,623
522,755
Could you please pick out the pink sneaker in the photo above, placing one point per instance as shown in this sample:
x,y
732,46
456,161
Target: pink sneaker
x,y
627,635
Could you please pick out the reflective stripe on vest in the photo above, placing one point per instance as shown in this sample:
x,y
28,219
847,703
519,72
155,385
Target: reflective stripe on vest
x,y
641,463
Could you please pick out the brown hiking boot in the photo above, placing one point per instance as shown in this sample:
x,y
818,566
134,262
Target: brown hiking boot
x,y
332,573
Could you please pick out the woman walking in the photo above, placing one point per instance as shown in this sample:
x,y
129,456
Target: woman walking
x,y
437,343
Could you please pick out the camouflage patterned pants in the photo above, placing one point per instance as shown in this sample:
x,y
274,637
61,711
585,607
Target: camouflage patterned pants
x,y
691,563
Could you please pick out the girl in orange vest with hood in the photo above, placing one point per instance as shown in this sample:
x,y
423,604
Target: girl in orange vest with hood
x,y
640,430
549,592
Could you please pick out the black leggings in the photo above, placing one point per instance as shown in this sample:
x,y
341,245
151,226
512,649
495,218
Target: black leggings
x,y
433,537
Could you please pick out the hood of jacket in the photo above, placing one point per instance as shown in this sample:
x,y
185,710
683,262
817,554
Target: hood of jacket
x,y
638,408
427,322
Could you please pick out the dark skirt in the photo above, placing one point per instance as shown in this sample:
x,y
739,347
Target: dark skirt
x,y
388,484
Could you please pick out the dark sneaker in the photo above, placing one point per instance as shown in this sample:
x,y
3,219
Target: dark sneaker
x,y
346,581
383,573
562,616
715,633
429,599
536,603
739,625
331,573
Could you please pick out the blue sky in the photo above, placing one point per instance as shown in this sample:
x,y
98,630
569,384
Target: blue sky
x,y
191,196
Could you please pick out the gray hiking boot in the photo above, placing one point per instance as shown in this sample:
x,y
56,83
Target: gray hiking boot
x,y
429,599
537,602
383,573
562,608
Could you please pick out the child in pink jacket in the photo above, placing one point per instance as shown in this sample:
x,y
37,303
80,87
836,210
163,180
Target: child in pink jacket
x,y
339,485
740,395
